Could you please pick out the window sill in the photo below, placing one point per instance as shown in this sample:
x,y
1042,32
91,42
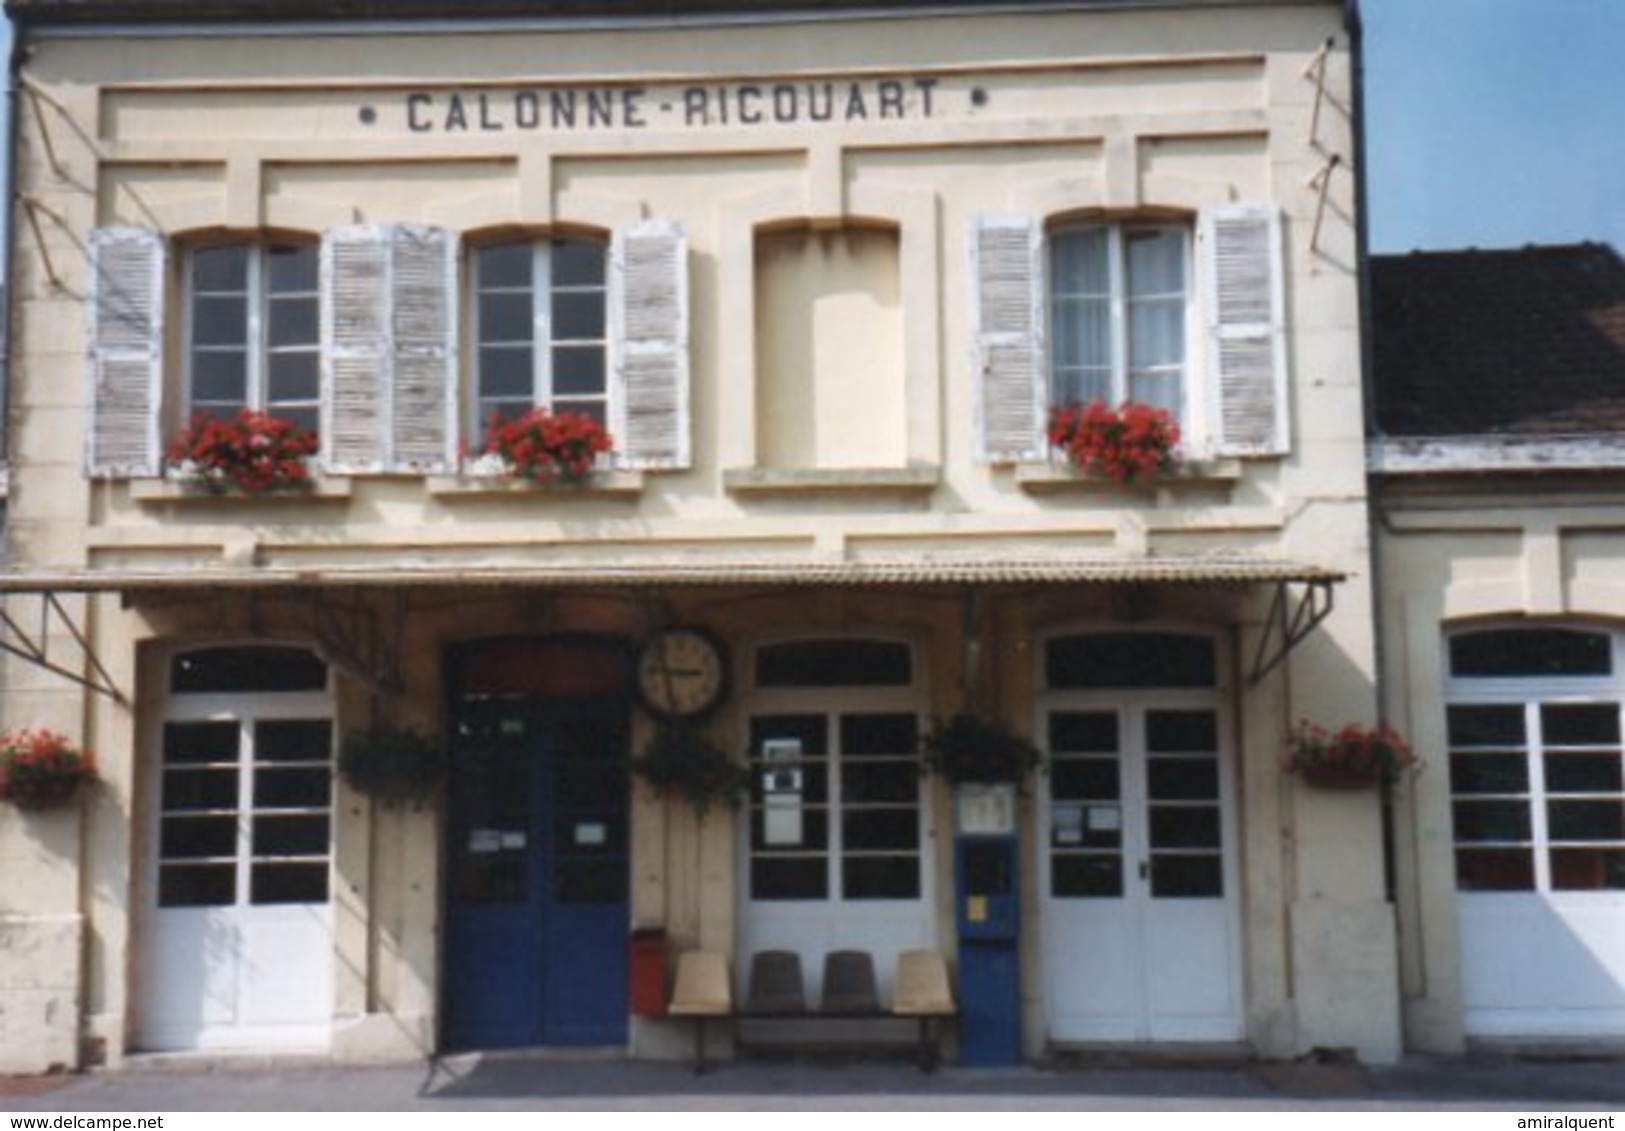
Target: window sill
x,y
1055,478
180,491
598,485
920,479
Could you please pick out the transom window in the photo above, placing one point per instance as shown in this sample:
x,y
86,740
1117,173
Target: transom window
x,y
1118,306
1537,773
541,329
253,330
246,783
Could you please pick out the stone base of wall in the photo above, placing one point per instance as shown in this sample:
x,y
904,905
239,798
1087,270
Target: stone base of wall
x,y
41,964
1345,974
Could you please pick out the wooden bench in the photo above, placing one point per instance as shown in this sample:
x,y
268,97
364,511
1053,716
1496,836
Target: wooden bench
x,y
776,992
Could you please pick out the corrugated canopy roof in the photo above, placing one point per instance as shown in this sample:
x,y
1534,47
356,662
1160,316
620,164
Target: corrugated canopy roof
x,y
1206,570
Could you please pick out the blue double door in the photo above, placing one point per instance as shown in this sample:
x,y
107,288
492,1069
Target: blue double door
x,y
537,913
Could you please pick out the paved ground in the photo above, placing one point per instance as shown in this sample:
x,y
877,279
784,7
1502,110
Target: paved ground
x,y
530,1083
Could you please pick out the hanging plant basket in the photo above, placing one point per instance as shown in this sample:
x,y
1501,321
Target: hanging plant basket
x,y
1351,757
397,766
680,762
971,749
41,769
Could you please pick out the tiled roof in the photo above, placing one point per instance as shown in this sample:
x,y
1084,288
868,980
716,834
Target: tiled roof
x,y
1526,342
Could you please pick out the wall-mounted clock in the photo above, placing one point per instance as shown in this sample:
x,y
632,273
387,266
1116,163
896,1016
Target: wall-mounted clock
x,y
682,673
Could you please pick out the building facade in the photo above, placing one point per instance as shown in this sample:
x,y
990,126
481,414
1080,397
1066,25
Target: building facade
x,y
823,271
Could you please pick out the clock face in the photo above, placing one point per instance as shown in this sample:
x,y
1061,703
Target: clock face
x,y
682,673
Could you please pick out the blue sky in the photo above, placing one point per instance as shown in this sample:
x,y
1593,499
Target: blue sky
x,y
1490,123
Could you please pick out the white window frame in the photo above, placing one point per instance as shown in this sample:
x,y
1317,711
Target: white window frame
x,y
1530,694
1119,299
257,347
542,341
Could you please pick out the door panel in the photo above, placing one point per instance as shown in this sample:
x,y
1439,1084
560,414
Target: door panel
x,y
537,916
1138,925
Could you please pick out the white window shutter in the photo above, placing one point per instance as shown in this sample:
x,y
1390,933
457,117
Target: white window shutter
x,y
649,388
423,401
356,356
128,268
1240,249
1007,326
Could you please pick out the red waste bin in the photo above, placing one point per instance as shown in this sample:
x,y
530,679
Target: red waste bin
x,y
648,972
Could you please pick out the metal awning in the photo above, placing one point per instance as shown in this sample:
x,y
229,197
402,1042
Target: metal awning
x,y
1291,618
1204,570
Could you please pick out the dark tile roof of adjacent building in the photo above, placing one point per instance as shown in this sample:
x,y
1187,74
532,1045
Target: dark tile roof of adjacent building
x,y
1524,342
205,11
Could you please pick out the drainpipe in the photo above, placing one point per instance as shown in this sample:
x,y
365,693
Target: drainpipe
x,y
7,265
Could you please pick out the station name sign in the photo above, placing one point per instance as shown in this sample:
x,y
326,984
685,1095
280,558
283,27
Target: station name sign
x,y
564,109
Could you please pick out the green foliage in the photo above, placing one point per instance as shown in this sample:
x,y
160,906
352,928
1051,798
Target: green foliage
x,y
679,761
394,765
971,748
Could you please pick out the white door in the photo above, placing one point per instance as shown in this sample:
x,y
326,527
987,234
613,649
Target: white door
x,y
1139,890
238,953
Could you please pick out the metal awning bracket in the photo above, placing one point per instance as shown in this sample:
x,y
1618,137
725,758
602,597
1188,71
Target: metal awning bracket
x,y
1289,622
34,645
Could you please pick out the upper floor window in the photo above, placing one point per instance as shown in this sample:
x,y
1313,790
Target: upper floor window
x,y
541,329
1106,311
253,330
1119,298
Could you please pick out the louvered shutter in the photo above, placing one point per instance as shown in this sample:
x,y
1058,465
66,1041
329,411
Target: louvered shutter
x,y
423,404
126,351
1240,246
389,349
355,347
1007,324
649,345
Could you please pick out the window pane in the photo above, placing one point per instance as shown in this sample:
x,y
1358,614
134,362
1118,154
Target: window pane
x,y
584,881
185,837
280,787
1585,820
219,377
593,410
301,835
1083,386
1156,261
1082,334
1491,820
220,268
774,878
220,321
506,318
1156,334
1182,732
1088,825
293,268
193,789
894,781
293,322
813,828
1186,877
197,885
1160,390
289,883
880,828
1182,779
192,743
578,317
1495,869
1485,726
1078,262
301,740
1584,724
879,735
1489,773
1091,732
834,663
1530,652
880,877
1585,773
1185,826
1124,660
1086,876
1084,779
247,669
293,377
1588,869
505,265
507,371
578,370
578,263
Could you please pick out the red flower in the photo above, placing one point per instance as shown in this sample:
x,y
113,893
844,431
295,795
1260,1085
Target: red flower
x,y
543,446
1134,441
253,452
38,766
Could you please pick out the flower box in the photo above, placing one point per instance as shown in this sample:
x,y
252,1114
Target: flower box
x,y
1132,443
41,769
252,453
1351,757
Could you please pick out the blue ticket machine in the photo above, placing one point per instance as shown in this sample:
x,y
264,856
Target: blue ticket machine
x,y
988,915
